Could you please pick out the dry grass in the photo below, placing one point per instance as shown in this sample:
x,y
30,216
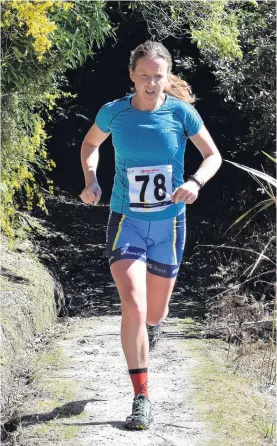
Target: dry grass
x,y
239,410
27,310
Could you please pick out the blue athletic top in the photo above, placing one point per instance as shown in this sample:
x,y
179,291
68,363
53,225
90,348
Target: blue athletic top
x,y
149,155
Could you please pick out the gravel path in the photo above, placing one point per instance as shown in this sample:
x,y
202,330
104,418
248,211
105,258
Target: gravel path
x,y
103,395
87,397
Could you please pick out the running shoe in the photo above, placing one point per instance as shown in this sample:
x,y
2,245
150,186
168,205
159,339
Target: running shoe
x,y
141,416
154,334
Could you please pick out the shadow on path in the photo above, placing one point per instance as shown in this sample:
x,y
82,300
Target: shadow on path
x,y
13,276
65,411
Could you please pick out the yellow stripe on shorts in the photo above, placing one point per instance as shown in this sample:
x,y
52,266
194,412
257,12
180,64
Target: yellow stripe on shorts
x,y
118,232
174,240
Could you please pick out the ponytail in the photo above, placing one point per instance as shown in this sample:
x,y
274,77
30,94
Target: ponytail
x,y
179,89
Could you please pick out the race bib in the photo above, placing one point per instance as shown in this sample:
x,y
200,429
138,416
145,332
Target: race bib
x,y
150,188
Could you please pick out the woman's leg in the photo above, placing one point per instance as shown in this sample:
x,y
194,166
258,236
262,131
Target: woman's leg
x,y
163,261
127,256
159,290
130,279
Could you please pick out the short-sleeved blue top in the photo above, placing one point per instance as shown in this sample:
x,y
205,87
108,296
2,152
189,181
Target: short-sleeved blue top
x,y
147,138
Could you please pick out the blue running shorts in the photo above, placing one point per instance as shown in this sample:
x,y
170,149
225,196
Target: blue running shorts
x,y
160,244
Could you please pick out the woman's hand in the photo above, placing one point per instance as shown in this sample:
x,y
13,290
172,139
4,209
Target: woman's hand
x,y
91,194
187,193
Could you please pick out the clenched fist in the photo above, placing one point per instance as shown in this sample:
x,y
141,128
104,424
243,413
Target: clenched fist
x,y
186,193
91,194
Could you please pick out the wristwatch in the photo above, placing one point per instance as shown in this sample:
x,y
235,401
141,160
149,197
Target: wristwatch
x,y
198,180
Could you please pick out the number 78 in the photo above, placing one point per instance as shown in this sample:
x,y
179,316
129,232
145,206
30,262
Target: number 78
x,y
159,183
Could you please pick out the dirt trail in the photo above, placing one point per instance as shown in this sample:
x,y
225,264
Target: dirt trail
x,y
83,390
85,393
88,395
98,394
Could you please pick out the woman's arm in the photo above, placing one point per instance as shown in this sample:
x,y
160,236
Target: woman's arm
x,y
89,159
89,153
212,158
188,192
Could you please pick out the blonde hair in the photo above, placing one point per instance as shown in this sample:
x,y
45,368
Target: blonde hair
x,y
179,89
176,87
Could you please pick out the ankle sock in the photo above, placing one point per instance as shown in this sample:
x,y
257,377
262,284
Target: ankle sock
x,y
139,379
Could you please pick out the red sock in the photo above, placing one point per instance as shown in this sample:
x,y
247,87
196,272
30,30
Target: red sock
x,y
139,379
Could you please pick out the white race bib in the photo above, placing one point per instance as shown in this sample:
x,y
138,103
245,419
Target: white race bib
x,y
150,188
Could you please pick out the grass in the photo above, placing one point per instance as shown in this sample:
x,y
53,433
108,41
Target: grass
x,y
56,393
229,401
47,359
55,396
60,389
63,432
56,389
28,305
191,328
27,311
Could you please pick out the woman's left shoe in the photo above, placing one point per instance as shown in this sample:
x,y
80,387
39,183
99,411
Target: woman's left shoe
x,y
141,416
154,334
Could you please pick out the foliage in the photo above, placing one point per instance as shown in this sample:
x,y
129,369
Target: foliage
x,y
248,86
32,29
264,204
40,41
24,155
251,213
211,25
237,41
37,22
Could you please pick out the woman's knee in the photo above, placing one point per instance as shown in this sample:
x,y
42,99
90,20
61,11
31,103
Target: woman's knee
x,y
133,304
155,316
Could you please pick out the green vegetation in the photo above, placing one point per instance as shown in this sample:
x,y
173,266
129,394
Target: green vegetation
x,y
40,41
191,328
248,85
211,25
55,394
47,359
265,181
27,310
236,40
28,297
64,432
228,400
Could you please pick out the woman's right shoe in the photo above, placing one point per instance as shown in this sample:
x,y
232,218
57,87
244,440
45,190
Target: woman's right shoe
x,y
141,416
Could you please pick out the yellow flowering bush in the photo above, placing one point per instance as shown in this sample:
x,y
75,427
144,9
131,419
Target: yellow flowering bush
x,y
40,40
24,154
34,15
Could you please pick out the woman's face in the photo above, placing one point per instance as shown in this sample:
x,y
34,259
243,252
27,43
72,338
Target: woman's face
x,y
150,77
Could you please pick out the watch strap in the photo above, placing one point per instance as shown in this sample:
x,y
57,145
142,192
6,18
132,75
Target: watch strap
x,y
198,180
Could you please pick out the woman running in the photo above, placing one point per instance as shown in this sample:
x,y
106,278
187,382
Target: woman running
x,y
146,227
